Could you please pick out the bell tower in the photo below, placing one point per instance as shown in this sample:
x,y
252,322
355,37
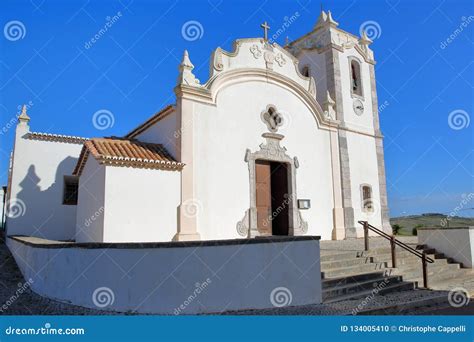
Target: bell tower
x,y
342,65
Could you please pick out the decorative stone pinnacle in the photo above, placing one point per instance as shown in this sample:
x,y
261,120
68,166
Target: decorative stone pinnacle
x,y
330,20
186,75
321,19
364,40
23,116
329,107
186,62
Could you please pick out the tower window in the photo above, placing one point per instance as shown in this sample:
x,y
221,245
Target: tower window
x,y
71,186
356,81
305,71
367,204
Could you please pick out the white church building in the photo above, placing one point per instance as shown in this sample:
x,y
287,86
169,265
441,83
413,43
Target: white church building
x,y
278,141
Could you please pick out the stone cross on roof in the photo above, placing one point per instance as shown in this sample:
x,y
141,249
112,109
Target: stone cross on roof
x,y
265,30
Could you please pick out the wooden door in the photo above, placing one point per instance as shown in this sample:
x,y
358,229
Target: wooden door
x,y
263,197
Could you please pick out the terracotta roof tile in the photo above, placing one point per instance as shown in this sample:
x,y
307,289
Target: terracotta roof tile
x,y
126,152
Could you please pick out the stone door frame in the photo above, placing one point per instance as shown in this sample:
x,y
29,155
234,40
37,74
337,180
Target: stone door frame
x,y
271,151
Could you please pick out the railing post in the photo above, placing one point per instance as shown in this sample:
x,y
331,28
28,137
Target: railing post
x,y
425,270
366,235
392,248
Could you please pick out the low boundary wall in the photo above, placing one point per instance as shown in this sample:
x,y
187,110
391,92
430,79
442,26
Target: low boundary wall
x,y
176,277
457,243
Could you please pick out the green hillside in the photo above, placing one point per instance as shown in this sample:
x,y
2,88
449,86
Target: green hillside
x,y
407,223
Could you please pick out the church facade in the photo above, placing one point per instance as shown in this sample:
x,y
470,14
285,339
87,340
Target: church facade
x,y
278,141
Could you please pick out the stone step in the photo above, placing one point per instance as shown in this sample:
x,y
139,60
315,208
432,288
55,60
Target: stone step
x,y
409,270
395,287
373,276
357,269
331,256
406,258
328,265
387,253
406,306
355,287
435,280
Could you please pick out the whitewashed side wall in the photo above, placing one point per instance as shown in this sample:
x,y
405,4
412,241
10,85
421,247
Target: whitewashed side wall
x,y
38,183
457,243
90,203
363,170
140,204
165,132
224,133
172,279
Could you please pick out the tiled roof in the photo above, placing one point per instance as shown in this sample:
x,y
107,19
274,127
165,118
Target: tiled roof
x,y
155,118
55,138
126,152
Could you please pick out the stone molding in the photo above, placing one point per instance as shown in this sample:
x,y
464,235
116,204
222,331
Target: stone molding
x,y
271,150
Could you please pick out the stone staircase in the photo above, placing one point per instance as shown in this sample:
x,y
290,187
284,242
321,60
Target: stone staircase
x,y
356,275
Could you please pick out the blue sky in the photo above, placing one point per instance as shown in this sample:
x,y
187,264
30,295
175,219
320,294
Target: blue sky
x,y
425,83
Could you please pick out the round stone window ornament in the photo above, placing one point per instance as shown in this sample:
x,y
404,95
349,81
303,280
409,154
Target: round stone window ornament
x,y
272,119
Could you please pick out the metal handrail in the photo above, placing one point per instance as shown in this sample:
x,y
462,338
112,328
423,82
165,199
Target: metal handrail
x,y
394,242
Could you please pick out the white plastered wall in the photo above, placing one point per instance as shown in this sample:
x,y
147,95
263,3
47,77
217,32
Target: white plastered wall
x,y
165,132
223,134
140,204
90,203
37,182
